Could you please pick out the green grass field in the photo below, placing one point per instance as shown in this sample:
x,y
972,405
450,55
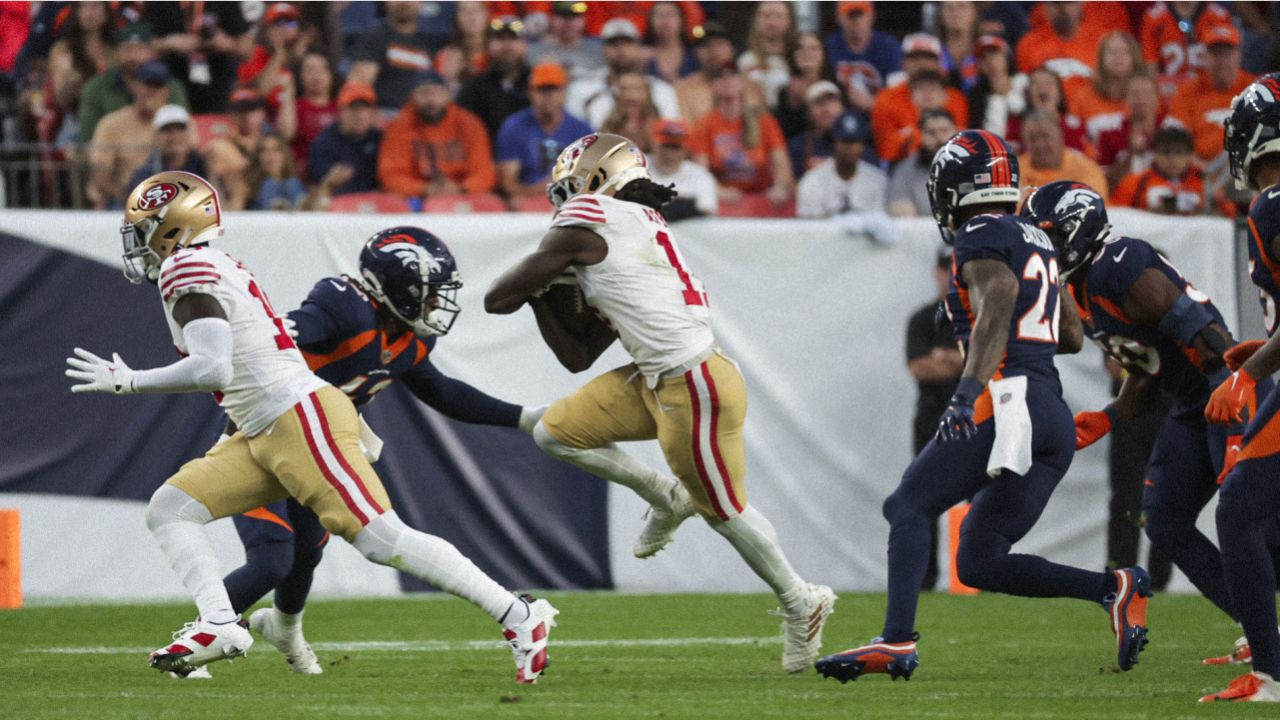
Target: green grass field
x,y
623,656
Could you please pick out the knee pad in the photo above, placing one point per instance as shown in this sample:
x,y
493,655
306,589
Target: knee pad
x,y
378,540
171,504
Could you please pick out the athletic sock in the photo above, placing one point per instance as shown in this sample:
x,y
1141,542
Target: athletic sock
x,y
177,521
755,539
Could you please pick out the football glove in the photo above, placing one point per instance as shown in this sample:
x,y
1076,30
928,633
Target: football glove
x,y
94,374
529,417
1229,458
1232,396
1238,355
1092,426
957,422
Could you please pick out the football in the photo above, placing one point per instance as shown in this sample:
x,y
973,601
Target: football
x,y
568,304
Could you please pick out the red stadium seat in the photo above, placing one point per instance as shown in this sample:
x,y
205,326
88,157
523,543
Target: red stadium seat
x,y
370,202
210,126
535,204
757,206
473,203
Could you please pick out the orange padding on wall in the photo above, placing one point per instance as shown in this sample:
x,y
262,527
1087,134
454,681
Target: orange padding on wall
x,y
10,560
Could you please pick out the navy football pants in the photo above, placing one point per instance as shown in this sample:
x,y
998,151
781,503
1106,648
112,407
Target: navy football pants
x,y
282,547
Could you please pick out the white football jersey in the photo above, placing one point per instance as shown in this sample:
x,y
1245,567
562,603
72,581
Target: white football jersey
x,y
269,374
643,287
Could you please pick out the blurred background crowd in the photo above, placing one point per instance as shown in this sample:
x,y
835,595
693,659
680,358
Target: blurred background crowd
x,y
828,109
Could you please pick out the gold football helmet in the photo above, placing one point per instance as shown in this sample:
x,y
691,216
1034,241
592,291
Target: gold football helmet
x,y
599,164
165,213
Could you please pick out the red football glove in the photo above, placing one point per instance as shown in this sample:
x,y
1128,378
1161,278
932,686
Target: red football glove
x,y
1236,356
1230,398
1229,458
1090,427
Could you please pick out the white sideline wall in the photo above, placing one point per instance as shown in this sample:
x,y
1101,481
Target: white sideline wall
x,y
815,317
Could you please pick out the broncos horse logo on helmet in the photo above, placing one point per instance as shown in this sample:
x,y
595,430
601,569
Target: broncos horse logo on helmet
x,y
1074,216
1253,127
974,167
412,273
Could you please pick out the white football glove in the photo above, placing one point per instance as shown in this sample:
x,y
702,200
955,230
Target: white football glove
x,y
530,416
95,374
290,326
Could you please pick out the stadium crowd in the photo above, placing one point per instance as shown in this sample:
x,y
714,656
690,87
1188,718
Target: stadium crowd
x,y
771,108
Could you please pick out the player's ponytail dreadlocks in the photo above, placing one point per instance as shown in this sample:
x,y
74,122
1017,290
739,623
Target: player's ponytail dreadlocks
x,y
647,193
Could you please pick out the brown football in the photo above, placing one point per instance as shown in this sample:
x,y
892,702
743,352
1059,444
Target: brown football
x,y
570,307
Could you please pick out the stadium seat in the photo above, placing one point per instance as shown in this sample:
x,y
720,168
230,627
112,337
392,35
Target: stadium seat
x,y
210,126
472,203
757,206
370,202
535,204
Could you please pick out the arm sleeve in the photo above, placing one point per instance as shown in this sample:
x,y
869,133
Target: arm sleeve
x,y
206,368
457,399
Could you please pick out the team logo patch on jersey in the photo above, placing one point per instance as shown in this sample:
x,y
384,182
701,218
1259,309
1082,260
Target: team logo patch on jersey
x,y
158,196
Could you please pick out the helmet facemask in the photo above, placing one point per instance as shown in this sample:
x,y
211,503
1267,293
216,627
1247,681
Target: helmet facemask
x,y
427,308
561,190
141,261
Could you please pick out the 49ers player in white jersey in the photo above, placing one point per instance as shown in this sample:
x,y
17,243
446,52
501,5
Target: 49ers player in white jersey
x,y
298,436
609,233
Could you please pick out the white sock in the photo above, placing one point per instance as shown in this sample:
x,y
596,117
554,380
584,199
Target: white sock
x,y
386,540
753,536
290,622
177,521
614,465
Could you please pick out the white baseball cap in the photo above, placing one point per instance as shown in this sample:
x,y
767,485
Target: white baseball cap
x,y
171,115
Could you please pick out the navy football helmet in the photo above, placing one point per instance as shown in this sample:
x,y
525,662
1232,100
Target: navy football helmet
x,y
412,273
1074,216
1253,127
975,167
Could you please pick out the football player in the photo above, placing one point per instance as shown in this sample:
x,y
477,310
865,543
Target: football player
x,y
609,232
297,435
1010,321
1250,496
1171,339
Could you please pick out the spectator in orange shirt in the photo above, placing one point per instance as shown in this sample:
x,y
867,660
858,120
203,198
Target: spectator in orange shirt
x,y
1168,48
1204,101
1063,45
1173,185
742,144
895,116
1048,159
1100,104
434,147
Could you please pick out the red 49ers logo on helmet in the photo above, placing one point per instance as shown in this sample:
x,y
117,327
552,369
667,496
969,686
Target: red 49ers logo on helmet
x,y
157,196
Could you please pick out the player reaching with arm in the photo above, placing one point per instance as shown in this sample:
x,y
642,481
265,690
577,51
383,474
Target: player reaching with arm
x,y
1171,339
609,232
297,436
1007,455
1249,500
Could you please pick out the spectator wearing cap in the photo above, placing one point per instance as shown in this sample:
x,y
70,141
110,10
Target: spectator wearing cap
x,y
503,89
433,147
566,44
269,70
108,91
314,110
1204,100
123,138
714,51
958,31
741,144
391,56
895,117
667,36
1171,34
230,156
592,98
908,196
770,41
1173,185
670,165
845,185
815,144
344,157
1063,45
808,65
531,139
203,44
174,146
1047,158
999,93
466,55
862,56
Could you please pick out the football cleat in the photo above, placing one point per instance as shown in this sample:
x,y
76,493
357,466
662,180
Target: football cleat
x,y
802,627
1128,611
660,523
200,673
297,652
528,640
1250,687
200,643
1240,655
897,660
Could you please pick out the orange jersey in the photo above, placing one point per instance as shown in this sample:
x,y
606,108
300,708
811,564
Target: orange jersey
x,y
734,164
1075,166
1152,191
1165,46
1098,113
1070,59
414,153
1201,107
1099,17
895,120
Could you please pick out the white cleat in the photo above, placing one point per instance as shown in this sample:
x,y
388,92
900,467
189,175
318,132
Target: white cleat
x,y
200,673
297,652
528,640
200,643
802,627
660,524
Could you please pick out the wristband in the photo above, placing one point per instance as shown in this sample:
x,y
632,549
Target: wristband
x,y
967,390
1110,412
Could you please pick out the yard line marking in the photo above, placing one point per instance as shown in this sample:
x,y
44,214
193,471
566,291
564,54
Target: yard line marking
x,y
441,645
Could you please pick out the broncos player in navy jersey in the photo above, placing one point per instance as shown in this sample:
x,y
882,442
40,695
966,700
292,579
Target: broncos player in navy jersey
x,y
1007,437
1250,497
1171,339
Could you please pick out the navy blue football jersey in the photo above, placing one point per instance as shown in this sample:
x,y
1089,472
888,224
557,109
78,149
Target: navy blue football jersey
x,y
1264,270
1029,254
339,335
1136,346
